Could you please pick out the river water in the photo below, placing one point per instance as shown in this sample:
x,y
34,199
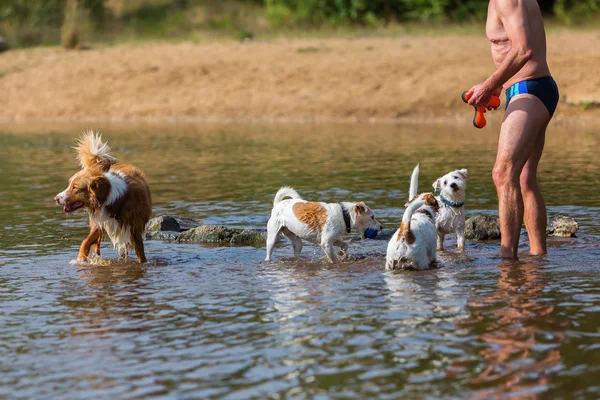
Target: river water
x,y
217,322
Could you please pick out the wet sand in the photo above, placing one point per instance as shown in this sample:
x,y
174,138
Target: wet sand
x,y
401,79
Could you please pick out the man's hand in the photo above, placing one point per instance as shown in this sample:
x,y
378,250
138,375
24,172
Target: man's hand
x,y
497,92
481,94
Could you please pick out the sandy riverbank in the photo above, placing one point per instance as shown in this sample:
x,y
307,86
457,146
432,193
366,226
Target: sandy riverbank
x,y
367,79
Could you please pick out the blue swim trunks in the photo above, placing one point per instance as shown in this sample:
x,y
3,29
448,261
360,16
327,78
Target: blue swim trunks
x,y
543,88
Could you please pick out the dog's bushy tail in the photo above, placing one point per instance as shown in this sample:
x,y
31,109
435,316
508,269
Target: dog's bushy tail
x,y
414,184
91,152
284,192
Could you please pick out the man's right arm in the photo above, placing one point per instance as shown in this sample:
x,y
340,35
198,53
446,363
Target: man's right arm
x,y
514,18
513,15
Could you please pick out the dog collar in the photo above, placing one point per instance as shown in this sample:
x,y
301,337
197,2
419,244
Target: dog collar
x,y
451,203
426,212
347,220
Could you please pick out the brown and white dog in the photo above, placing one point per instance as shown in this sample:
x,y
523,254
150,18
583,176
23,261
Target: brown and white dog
x,y
320,223
413,246
116,197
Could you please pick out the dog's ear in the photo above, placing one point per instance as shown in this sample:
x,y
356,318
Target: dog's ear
x,y
360,208
463,172
437,185
99,190
431,201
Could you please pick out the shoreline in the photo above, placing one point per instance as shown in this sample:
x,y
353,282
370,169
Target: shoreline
x,y
456,121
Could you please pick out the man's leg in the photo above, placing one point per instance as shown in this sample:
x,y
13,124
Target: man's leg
x,y
525,119
535,215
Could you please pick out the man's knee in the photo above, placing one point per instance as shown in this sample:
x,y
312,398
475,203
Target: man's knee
x,y
504,174
528,181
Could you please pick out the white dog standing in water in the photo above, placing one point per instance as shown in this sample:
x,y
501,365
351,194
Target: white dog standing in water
x,y
320,223
413,246
451,215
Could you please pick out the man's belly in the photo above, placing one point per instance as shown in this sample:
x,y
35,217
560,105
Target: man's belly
x,y
531,70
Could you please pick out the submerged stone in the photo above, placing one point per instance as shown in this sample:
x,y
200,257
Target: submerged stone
x,y
168,236
206,234
223,236
162,223
482,227
167,223
187,223
385,234
187,230
249,237
562,226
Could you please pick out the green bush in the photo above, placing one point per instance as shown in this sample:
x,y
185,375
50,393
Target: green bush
x,y
317,12
370,12
573,11
35,22
426,9
278,14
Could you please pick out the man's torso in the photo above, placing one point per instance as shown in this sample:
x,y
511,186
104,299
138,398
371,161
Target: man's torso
x,y
501,45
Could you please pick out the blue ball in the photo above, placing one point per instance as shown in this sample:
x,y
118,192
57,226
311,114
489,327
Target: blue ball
x,y
371,233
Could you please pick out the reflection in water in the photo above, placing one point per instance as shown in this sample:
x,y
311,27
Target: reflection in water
x,y
287,285
518,357
109,297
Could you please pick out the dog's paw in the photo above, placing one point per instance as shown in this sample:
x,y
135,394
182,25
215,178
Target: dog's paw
x,y
401,266
409,267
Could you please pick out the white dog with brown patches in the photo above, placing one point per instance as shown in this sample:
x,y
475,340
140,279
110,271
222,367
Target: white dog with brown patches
x,y
413,245
451,216
319,223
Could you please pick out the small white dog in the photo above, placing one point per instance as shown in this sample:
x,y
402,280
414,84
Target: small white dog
x,y
413,246
320,223
451,216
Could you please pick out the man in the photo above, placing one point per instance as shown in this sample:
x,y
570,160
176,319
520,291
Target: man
x,y
516,30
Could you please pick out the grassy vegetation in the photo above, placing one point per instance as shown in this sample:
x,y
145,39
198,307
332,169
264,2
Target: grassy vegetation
x,y
70,22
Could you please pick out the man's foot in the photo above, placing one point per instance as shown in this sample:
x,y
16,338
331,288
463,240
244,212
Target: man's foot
x,y
508,254
537,254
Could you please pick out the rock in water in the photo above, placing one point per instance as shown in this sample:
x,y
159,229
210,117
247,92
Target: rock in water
x,y
167,236
168,228
562,226
187,223
249,237
163,223
167,223
482,227
385,234
207,234
223,236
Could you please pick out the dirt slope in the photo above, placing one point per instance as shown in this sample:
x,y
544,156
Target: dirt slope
x,y
381,79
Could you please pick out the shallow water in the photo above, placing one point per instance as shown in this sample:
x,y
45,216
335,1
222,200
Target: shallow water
x,y
217,322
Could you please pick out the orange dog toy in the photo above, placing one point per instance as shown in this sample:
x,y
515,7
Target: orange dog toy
x,y
479,119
